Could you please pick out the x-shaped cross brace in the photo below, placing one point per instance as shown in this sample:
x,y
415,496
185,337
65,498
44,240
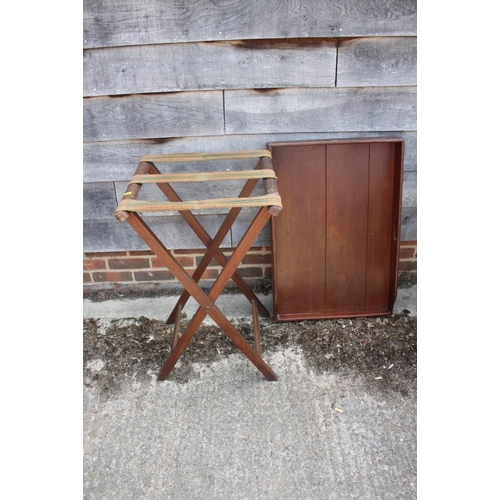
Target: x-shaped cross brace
x,y
190,283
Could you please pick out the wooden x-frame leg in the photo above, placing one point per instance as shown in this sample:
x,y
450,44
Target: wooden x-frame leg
x,y
270,206
212,245
207,302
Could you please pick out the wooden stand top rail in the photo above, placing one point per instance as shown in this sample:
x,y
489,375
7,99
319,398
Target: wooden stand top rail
x,y
228,155
147,173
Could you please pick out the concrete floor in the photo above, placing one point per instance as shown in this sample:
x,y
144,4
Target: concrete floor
x,y
233,305
230,434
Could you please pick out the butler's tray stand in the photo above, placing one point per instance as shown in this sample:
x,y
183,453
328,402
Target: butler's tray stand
x,y
270,205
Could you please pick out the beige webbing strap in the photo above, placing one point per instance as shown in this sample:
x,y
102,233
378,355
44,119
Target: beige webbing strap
x,y
203,176
233,155
162,206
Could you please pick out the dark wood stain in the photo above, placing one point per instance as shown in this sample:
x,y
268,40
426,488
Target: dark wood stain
x,y
335,245
265,91
284,43
159,140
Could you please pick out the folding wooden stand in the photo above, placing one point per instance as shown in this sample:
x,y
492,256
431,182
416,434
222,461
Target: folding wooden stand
x,y
270,205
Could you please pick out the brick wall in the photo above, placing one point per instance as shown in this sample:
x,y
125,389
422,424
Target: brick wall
x,y
408,261
143,271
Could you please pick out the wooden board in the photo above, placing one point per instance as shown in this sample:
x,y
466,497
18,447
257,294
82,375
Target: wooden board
x,y
117,160
210,66
321,110
410,189
101,235
381,263
108,23
381,61
300,276
346,252
409,224
242,223
156,115
99,200
347,186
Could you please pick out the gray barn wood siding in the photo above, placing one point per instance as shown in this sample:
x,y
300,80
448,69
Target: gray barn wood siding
x,y
212,66
210,76
109,23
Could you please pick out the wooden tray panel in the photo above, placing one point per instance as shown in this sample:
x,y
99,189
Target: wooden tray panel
x,y
378,251
300,266
335,245
347,226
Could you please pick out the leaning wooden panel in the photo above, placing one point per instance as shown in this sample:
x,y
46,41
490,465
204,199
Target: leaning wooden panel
x,y
356,229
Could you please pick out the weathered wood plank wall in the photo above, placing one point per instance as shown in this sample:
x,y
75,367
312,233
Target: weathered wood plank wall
x,y
169,77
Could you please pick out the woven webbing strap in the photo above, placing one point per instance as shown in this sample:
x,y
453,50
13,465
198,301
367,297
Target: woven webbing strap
x,y
163,206
203,176
233,155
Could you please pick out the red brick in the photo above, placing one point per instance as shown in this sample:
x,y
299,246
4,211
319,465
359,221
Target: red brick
x,y
408,243
257,258
209,274
407,253
268,271
182,260
111,277
250,272
153,275
140,252
93,265
189,251
213,262
407,265
130,263
87,278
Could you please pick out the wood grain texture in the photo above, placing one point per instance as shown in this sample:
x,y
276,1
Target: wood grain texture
x,y
99,200
208,66
354,230
299,232
380,206
381,61
154,115
117,161
241,224
347,188
410,189
320,110
108,23
111,235
409,224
